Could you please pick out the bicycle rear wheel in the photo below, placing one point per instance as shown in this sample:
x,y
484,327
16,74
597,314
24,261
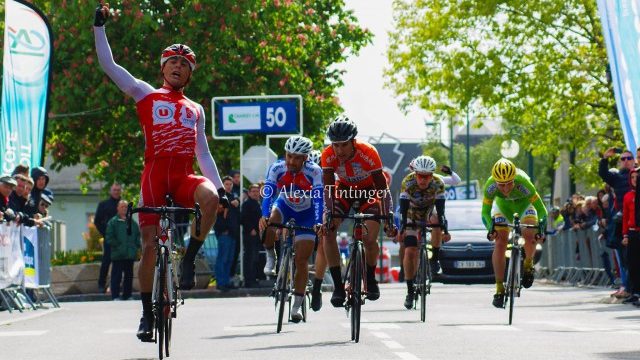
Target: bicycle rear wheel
x,y
511,286
422,285
170,312
356,288
283,281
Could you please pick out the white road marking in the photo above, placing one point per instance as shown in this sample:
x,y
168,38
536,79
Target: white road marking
x,y
23,333
407,356
392,344
381,335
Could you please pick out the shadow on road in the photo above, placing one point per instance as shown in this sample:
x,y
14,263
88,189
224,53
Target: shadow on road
x,y
236,336
303,346
630,355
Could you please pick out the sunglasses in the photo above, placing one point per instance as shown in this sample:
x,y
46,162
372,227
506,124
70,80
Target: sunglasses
x,y
505,183
626,158
423,176
45,205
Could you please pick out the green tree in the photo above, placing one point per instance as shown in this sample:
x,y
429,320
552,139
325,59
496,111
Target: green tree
x,y
538,65
243,48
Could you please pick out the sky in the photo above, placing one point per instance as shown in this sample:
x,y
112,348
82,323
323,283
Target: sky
x,y
363,97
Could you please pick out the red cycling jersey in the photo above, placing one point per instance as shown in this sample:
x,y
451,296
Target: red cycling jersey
x,y
168,120
356,171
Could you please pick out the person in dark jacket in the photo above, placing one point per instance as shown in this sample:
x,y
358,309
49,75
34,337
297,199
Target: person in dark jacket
x,y
224,229
619,181
40,178
251,213
105,211
19,198
124,250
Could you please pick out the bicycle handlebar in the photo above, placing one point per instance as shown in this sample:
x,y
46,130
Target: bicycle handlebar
x,y
360,216
164,210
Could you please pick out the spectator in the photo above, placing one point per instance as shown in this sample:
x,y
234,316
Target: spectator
x,y
124,251
235,178
41,180
251,213
18,200
631,239
21,169
106,210
233,217
556,221
638,156
7,184
619,181
226,242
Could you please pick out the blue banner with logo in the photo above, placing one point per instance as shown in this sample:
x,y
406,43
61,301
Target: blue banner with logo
x,y
25,85
622,39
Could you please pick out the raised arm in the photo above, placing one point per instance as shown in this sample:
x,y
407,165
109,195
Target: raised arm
x,y
205,160
131,86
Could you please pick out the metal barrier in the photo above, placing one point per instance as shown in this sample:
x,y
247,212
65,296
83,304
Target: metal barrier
x,y
575,258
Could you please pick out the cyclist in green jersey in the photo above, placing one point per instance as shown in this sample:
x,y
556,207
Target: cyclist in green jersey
x,y
513,193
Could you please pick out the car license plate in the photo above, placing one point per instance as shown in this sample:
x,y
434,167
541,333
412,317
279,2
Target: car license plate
x,y
469,264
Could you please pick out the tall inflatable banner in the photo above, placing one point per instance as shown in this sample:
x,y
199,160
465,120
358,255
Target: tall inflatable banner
x,y
621,30
25,85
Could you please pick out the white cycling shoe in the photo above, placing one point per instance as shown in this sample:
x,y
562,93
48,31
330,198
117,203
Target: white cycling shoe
x,y
296,309
270,266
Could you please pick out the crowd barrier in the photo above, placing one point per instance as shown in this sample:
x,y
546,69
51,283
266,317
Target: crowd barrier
x,y
575,258
25,266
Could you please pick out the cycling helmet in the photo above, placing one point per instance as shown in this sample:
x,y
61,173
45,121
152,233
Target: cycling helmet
x,y
314,156
342,129
423,164
503,170
179,50
298,145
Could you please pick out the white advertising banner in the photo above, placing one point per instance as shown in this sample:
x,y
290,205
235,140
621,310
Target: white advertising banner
x,y
11,260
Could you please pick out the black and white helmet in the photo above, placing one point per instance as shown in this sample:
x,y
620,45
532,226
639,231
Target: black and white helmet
x,y
423,164
314,156
342,129
298,145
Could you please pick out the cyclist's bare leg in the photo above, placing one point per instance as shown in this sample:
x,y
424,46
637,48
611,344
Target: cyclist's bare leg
x,y
530,238
332,256
148,259
498,257
270,237
304,248
371,242
331,251
321,261
207,197
410,262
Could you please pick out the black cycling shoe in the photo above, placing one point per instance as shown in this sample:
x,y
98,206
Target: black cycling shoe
x,y
338,297
435,267
187,275
373,291
145,329
527,278
498,300
316,300
408,301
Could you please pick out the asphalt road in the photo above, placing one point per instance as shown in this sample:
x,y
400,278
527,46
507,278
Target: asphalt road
x,y
550,322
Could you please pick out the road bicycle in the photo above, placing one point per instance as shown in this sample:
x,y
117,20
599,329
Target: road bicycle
x,y
165,296
424,276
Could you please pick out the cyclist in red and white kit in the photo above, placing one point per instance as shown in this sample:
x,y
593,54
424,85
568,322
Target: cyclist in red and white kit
x,y
173,127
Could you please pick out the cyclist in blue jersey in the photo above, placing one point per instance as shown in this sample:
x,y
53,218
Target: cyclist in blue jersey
x,y
293,189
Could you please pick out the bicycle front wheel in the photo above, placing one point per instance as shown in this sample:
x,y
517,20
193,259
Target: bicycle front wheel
x,y
283,291
356,288
422,284
161,302
511,286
